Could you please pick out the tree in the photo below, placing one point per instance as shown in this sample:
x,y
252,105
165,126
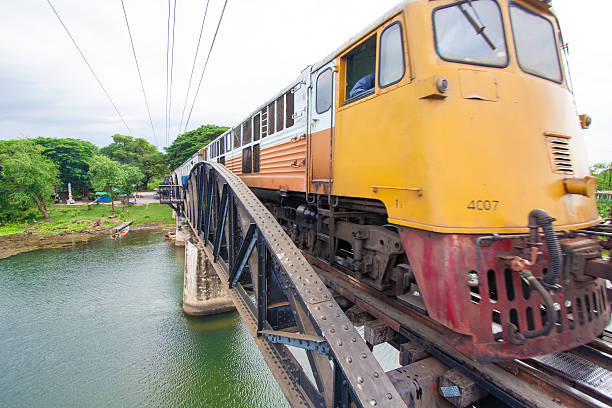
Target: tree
x,y
137,152
72,156
27,177
603,172
106,175
113,177
132,176
187,144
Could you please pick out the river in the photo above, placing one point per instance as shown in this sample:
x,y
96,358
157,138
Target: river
x,y
102,325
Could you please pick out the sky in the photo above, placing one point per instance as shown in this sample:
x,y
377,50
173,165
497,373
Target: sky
x,y
261,46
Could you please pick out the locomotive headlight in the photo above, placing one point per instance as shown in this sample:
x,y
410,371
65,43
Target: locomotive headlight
x,y
442,84
585,121
473,279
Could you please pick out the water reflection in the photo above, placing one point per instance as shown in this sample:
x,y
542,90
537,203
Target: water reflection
x,y
101,325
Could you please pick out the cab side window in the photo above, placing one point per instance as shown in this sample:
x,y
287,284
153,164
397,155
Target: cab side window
x,y
324,90
391,66
360,70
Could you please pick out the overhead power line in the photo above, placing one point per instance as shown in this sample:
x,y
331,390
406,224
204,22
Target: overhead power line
x,y
205,64
171,75
89,66
144,94
167,69
195,57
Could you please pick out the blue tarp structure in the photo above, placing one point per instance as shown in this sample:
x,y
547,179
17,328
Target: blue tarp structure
x,y
184,179
103,197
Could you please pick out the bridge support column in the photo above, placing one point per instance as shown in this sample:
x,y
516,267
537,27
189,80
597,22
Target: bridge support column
x,y
203,292
181,230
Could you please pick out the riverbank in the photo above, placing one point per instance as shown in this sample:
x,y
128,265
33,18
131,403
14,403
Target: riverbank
x,y
68,226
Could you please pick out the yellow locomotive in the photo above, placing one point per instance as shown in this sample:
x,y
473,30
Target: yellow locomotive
x,y
428,156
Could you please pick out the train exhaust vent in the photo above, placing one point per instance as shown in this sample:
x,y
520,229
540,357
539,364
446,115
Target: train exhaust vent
x,y
560,155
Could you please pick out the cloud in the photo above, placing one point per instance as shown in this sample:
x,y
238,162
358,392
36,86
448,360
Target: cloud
x,y
261,46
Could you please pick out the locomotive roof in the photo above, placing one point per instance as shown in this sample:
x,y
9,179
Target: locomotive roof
x,y
328,58
399,7
390,13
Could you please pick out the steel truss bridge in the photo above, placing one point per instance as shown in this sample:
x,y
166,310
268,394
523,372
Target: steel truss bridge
x,y
288,298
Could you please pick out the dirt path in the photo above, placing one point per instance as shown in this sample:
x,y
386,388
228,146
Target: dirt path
x,y
25,242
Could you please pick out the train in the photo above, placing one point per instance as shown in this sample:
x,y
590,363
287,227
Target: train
x,y
438,157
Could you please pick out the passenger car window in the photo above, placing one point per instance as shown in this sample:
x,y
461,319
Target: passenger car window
x,y
237,138
391,67
471,32
289,109
280,113
246,132
536,47
270,125
256,126
324,90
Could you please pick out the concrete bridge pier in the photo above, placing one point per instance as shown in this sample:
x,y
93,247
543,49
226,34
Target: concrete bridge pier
x,y
181,231
203,292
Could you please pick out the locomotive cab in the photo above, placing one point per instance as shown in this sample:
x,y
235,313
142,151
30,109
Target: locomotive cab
x,y
471,126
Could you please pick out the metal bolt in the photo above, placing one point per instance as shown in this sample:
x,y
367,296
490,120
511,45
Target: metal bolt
x,y
375,374
345,327
318,308
322,317
373,402
360,380
332,330
363,355
349,360
389,396
340,343
353,339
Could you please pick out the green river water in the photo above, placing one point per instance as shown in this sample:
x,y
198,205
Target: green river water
x,y
102,325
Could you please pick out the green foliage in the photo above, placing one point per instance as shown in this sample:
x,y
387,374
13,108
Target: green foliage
x,y
137,152
27,180
155,182
113,177
604,209
75,218
72,156
132,176
187,144
603,172
106,174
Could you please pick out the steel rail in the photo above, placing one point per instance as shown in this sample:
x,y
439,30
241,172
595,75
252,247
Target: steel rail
x,y
514,382
254,245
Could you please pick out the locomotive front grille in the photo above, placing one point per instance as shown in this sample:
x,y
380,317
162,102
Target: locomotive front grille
x,y
560,155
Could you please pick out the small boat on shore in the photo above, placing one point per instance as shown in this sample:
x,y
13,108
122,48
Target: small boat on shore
x,y
171,236
121,231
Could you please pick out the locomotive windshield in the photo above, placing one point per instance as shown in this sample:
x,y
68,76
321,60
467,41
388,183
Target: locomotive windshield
x,y
535,43
471,32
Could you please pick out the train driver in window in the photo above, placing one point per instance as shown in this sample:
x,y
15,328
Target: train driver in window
x,y
362,86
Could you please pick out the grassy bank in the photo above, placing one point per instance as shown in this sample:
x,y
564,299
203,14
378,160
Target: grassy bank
x,y
76,218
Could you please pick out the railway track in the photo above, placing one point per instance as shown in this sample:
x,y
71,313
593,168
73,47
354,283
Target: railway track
x,y
576,378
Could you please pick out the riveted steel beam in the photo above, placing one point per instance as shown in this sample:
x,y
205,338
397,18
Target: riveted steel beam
x,y
303,341
347,374
243,255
